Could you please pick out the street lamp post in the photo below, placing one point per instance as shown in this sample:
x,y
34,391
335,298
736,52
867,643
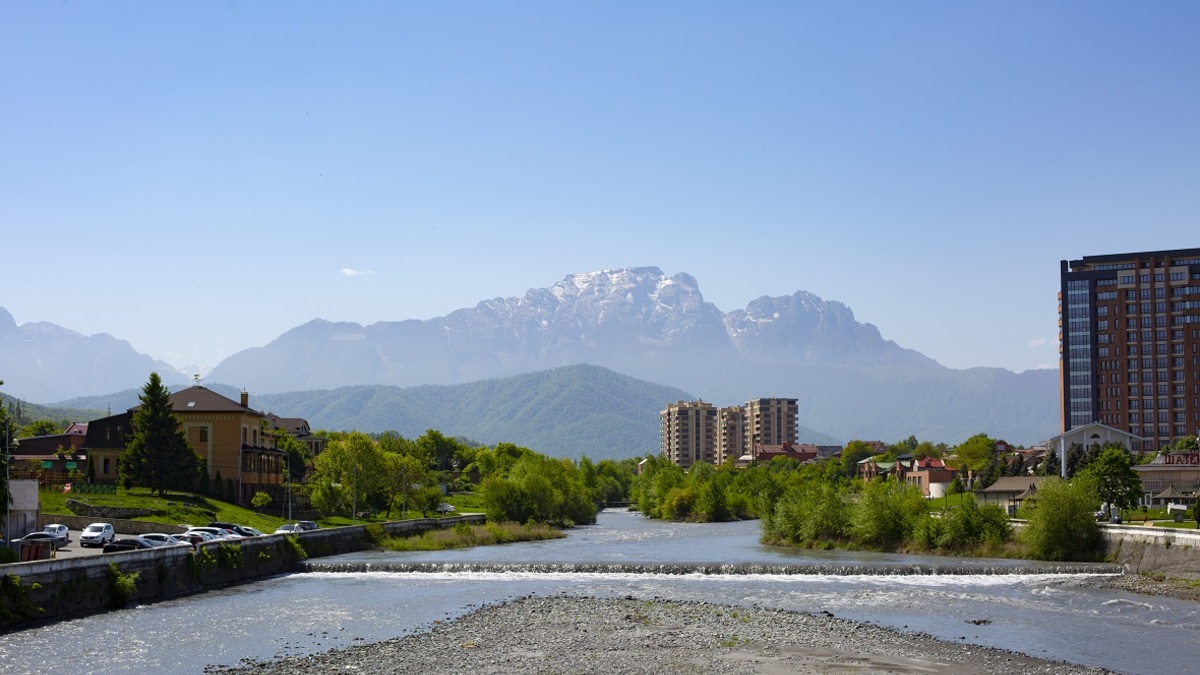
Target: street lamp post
x,y
289,486
7,485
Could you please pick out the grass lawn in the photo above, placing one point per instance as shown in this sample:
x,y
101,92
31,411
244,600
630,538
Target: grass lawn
x,y
184,508
1185,525
175,509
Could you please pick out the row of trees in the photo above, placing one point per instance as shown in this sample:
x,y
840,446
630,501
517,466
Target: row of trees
x,y
821,504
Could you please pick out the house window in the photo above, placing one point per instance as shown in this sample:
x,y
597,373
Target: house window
x,y
106,466
203,434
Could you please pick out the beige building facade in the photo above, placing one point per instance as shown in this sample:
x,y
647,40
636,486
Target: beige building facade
x,y
731,434
689,433
770,421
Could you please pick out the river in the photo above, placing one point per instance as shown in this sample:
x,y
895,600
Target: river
x,y
1030,609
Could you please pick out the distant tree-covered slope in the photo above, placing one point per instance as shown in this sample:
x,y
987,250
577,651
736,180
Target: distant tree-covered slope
x,y
22,413
565,412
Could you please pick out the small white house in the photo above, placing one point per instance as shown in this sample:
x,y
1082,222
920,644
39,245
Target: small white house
x,y
23,511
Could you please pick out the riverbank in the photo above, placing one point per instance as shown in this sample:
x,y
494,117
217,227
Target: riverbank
x,y
627,636
1149,583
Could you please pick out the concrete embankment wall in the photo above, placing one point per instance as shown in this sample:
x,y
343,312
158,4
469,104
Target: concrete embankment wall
x,y
1167,550
120,525
58,589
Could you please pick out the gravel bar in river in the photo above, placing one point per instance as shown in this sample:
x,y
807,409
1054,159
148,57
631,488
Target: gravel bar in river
x,y
627,636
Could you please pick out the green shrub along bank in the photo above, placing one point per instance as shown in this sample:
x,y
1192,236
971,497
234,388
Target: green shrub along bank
x,y
539,489
1062,523
819,506
885,515
463,535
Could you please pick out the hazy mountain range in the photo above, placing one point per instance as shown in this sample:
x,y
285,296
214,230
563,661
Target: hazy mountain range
x,y
850,381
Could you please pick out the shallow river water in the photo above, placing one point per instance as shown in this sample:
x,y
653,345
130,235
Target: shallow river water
x,y
1033,610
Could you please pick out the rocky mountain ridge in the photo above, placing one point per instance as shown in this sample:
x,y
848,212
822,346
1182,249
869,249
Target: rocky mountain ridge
x,y
42,362
637,321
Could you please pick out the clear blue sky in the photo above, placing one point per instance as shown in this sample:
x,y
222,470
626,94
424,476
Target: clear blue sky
x,y
198,178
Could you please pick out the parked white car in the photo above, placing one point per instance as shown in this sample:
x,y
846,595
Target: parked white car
x,y
217,532
160,539
97,534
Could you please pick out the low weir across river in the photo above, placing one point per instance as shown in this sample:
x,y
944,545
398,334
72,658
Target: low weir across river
x,y
1047,611
818,569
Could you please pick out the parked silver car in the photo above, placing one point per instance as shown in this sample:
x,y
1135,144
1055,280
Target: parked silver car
x,y
60,532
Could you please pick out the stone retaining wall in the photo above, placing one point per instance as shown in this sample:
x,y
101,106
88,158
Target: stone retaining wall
x,y
1167,550
76,586
119,526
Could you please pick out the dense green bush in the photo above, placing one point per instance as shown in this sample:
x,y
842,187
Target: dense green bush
x,y
969,525
886,513
809,512
539,489
1061,521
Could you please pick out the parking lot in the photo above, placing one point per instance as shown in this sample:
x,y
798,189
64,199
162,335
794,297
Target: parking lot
x,y
74,550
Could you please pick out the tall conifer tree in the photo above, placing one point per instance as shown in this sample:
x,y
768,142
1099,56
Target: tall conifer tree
x,y
158,455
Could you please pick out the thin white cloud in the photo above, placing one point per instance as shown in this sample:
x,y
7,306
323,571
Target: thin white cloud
x,y
1037,342
351,272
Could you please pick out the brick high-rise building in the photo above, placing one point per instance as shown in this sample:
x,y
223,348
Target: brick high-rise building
x,y
1129,343
689,433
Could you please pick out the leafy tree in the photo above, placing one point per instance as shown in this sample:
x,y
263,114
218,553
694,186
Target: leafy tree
x,y
886,513
158,455
441,451
852,454
260,500
1116,483
976,454
969,524
927,449
956,487
351,472
407,475
659,475
298,455
539,489
906,446
1061,521
40,428
1182,444
809,512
